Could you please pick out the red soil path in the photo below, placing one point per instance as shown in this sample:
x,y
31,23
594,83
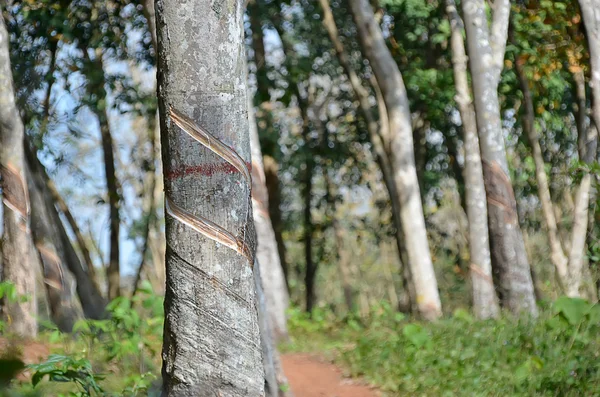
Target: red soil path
x,y
310,376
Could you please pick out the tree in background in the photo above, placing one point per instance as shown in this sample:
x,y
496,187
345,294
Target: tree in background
x,y
486,47
400,141
17,267
485,302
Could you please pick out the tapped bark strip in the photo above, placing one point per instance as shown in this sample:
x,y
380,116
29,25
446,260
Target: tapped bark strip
x,y
200,224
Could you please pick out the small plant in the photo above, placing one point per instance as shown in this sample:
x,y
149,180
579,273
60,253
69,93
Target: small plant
x,y
60,368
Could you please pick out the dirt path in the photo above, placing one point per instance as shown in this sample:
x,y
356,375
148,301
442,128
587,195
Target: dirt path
x,y
310,376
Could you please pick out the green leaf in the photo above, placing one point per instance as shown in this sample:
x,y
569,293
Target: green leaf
x,y
573,309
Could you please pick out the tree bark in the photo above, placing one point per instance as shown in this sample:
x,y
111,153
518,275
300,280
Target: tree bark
x,y
311,266
558,257
17,267
374,131
211,336
151,177
273,280
92,302
590,10
96,86
47,245
486,54
273,189
485,303
402,158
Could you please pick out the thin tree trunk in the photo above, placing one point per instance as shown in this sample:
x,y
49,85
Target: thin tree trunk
x,y
273,189
17,267
96,86
486,54
47,244
211,337
402,158
151,177
408,297
485,303
311,266
374,130
557,255
590,10
92,302
273,280
81,243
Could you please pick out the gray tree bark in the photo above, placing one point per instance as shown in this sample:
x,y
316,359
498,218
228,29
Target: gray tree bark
x,y
486,55
211,337
273,280
45,239
16,264
402,158
485,302
92,302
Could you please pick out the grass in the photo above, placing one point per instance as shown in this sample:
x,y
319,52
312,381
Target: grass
x,y
555,355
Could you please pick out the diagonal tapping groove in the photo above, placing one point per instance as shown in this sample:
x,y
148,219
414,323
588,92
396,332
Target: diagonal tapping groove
x,y
198,223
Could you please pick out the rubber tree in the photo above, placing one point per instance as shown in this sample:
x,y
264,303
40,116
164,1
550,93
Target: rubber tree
x,y
273,280
486,46
485,302
211,336
402,158
17,268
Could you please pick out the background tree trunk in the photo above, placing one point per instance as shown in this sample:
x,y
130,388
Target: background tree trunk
x,y
486,55
211,336
485,303
375,136
92,302
402,158
273,280
47,244
16,265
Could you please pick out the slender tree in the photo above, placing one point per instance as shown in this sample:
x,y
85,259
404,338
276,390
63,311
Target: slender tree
x,y
375,135
273,280
16,265
486,46
49,248
402,158
211,336
485,303
92,302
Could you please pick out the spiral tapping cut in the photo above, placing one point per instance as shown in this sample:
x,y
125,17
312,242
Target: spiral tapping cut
x,y
200,224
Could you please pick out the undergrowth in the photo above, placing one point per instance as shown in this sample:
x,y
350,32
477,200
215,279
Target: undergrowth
x,y
118,356
556,355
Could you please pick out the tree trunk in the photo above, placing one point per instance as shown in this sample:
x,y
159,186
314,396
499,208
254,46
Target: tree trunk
x,y
96,86
557,254
273,280
311,266
485,303
211,337
486,54
47,244
17,267
151,177
374,131
92,302
590,10
273,189
402,158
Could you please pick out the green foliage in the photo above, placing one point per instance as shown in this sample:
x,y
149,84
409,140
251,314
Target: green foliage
x,y
118,356
554,355
59,368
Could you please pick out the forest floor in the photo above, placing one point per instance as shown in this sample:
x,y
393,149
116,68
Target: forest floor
x,y
312,376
